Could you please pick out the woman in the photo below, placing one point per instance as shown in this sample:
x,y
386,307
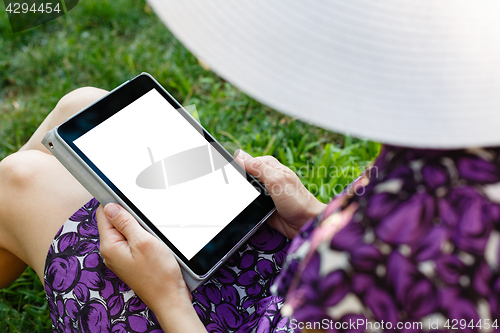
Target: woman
x,y
412,245
420,245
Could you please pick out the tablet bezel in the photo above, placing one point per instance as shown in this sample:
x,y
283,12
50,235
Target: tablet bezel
x,y
218,248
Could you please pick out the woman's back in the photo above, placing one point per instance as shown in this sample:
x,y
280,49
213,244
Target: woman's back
x,y
420,244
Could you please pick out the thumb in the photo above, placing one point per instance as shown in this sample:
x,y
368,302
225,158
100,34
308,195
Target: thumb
x,y
258,168
123,221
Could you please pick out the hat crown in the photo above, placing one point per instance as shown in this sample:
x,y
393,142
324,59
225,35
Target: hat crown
x,y
419,73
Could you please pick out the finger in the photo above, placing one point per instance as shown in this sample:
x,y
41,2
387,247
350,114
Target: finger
x,y
107,232
123,221
267,174
111,240
272,161
240,156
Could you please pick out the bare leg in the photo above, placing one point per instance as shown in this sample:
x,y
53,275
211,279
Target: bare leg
x,y
37,194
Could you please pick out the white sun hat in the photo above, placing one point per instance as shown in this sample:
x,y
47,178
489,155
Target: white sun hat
x,y
421,73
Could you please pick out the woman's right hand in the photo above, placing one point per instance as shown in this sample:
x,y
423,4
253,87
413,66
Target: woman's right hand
x,y
295,205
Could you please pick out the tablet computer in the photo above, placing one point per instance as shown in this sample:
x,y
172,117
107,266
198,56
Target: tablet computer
x,y
139,147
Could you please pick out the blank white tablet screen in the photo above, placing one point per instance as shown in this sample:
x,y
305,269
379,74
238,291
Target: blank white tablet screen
x,y
191,202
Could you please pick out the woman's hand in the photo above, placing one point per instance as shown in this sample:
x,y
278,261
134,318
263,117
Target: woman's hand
x,y
295,205
148,267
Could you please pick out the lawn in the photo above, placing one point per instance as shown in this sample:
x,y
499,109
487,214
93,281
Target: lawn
x,y
104,43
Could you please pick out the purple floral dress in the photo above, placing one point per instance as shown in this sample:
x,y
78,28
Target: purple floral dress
x,y
414,240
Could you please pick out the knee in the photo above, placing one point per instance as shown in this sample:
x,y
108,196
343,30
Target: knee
x,y
19,170
76,100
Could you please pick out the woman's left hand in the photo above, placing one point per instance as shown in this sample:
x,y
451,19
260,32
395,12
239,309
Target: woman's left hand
x,y
148,267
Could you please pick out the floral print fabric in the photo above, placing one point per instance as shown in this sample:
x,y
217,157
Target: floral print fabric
x,y
85,296
415,238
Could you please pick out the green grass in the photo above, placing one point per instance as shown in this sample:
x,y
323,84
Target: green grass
x,y
103,43
23,307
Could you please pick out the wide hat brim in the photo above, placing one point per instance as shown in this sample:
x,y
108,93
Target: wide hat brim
x,y
417,74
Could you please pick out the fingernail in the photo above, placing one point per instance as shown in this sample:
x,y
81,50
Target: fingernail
x,y
111,210
241,154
